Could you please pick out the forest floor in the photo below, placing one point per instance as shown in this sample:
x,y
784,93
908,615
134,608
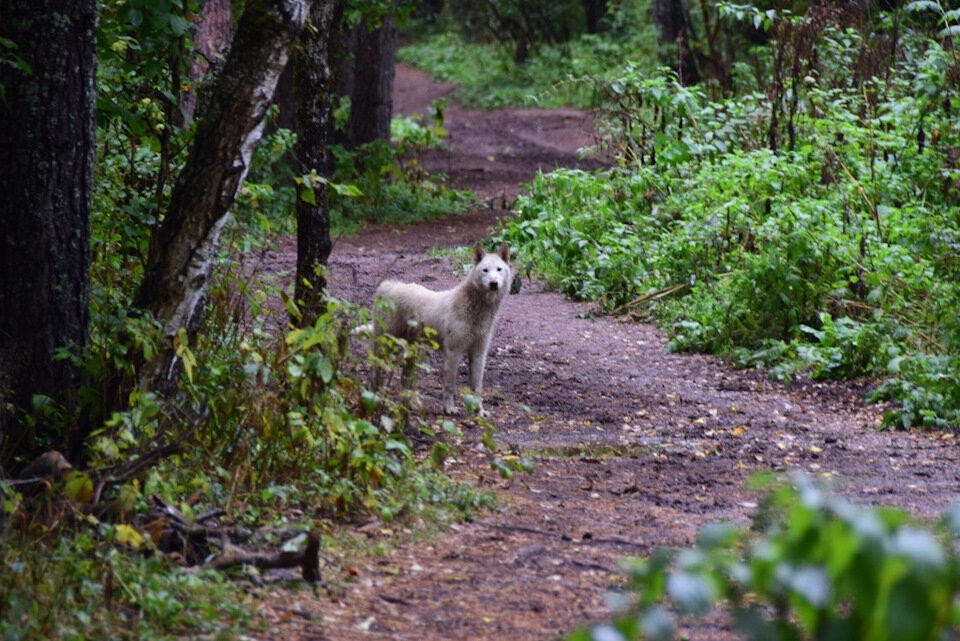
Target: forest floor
x,y
633,447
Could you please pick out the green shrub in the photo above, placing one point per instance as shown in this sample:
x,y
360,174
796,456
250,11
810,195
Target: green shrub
x,y
85,586
835,257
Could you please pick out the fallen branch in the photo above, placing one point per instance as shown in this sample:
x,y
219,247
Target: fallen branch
x,y
306,558
122,473
650,297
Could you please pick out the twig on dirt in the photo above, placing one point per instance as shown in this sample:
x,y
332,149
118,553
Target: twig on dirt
x,y
592,566
393,599
585,541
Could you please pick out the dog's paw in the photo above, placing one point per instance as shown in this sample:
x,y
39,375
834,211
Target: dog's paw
x,y
450,410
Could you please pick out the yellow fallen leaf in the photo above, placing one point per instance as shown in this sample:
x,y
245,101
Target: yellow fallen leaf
x,y
700,421
815,449
738,431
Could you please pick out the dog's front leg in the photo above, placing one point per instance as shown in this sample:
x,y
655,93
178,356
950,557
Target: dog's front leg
x,y
477,363
451,361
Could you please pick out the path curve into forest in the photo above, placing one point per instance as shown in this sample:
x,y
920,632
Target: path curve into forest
x,y
633,447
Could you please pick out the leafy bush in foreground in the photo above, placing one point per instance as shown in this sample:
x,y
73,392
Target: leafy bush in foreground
x,y
819,568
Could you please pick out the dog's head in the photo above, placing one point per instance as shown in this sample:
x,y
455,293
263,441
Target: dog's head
x,y
493,271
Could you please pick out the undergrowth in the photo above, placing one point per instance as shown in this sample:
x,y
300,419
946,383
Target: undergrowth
x,y
829,252
271,429
383,183
554,75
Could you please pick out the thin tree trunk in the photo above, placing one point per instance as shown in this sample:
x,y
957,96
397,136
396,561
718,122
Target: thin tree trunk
x,y
47,136
371,105
311,90
230,125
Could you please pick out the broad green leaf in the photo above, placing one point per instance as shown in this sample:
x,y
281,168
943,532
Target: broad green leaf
x,y
656,624
692,593
919,546
325,369
606,633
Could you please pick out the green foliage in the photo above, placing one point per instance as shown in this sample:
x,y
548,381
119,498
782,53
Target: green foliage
x,y
86,587
519,26
554,74
835,257
377,183
812,567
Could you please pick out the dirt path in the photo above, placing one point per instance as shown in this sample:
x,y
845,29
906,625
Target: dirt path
x,y
633,447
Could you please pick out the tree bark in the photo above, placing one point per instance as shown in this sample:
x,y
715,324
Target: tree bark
x,y
230,124
312,95
47,136
670,16
211,39
594,10
371,104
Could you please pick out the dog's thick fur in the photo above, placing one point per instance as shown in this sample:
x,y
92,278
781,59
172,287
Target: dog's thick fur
x,y
463,317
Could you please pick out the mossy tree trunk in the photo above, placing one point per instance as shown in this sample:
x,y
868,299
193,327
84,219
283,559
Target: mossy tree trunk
x,y
230,123
47,136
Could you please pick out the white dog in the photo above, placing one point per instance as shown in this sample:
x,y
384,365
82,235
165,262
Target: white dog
x,y
463,317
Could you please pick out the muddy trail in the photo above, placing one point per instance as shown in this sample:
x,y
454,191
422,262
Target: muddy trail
x,y
633,447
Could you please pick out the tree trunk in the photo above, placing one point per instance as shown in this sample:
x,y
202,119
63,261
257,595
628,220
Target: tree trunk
x,y
594,10
311,89
371,105
47,136
669,15
230,125
676,28
211,39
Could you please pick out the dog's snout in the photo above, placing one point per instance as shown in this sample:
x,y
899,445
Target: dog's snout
x,y
494,285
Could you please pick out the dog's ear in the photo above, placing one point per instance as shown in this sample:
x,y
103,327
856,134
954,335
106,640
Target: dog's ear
x,y
478,253
504,252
